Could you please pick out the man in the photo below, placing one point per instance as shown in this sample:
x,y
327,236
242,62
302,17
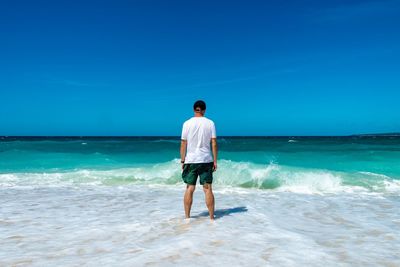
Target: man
x,y
198,137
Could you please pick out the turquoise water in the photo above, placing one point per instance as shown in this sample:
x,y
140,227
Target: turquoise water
x,y
323,163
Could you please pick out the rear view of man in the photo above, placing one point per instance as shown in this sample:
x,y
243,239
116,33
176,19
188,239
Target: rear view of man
x,y
198,156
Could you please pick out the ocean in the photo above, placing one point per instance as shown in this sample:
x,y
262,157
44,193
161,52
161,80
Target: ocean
x,y
280,201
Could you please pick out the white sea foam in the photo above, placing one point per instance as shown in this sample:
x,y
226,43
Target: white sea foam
x,y
230,173
143,225
376,175
311,182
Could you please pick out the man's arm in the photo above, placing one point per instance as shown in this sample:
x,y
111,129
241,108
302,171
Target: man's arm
x,y
183,151
214,152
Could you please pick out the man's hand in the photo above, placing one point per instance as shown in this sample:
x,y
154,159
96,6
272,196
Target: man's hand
x,y
183,165
215,166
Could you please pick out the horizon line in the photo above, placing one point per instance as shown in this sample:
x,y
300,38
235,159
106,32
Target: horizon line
x,y
177,136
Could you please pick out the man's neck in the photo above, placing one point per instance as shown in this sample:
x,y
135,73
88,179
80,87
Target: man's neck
x,y
198,115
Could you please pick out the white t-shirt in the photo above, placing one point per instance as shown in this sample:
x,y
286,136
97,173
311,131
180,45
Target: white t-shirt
x,y
198,132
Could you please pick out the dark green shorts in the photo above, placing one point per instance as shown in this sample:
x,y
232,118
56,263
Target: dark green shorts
x,y
192,170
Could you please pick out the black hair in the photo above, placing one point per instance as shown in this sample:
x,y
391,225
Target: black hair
x,y
199,104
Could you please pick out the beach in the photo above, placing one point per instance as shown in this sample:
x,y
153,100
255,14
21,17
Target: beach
x,y
285,201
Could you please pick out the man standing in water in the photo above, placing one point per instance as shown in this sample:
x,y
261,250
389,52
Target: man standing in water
x,y
198,137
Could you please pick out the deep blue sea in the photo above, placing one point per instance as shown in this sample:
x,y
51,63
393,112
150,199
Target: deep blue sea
x,y
280,201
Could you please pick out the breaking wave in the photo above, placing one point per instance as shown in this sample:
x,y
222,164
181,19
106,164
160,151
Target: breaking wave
x,y
230,173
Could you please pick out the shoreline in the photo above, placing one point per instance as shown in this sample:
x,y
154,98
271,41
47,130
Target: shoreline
x,y
143,225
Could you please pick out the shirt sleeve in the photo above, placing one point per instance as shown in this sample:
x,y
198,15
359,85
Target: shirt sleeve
x,y
184,132
213,132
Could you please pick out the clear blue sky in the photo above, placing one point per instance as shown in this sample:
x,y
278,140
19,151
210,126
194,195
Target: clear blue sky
x,y
136,67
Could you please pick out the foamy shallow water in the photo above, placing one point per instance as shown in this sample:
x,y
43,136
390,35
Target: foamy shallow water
x,y
143,225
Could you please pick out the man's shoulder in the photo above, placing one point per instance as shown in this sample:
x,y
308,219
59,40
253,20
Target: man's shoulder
x,y
195,121
209,121
187,121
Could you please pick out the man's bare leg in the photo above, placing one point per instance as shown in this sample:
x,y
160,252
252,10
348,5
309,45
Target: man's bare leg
x,y
188,199
207,188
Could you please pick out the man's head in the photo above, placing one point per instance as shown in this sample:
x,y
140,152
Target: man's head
x,y
199,107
